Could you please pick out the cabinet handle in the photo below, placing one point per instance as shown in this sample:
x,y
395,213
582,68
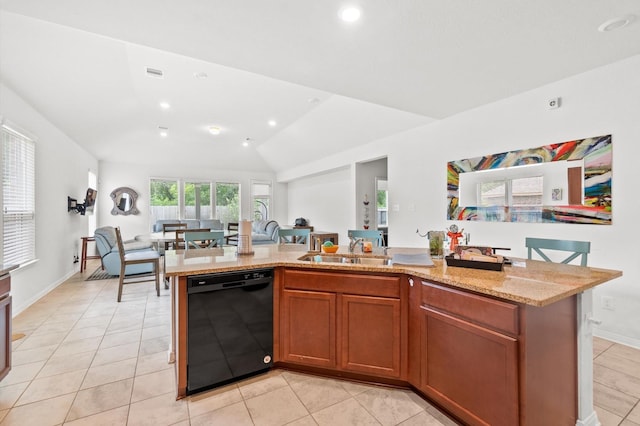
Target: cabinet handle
x,y
595,321
411,282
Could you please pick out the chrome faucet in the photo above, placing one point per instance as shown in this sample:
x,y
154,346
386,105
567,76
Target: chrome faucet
x,y
353,242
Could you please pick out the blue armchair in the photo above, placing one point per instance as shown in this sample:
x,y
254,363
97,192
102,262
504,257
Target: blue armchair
x,y
107,245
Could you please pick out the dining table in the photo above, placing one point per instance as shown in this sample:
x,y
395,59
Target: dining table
x,y
160,238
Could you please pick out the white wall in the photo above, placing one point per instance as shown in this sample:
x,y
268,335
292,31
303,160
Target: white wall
x,y
61,171
325,200
603,101
114,175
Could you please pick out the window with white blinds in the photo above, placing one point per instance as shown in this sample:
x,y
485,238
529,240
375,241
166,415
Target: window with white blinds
x,y
18,198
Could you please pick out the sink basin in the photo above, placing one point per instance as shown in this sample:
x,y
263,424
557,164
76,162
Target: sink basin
x,y
372,260
358,260
326,258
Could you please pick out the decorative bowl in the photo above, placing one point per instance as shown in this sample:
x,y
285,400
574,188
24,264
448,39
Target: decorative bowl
x,y
330,249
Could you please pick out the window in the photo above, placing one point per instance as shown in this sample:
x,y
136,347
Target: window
x,y
228,202
18,198
382,205
164,197
261,196
525,191
197,200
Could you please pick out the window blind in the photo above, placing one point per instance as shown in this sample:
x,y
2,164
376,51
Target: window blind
x,y
18,198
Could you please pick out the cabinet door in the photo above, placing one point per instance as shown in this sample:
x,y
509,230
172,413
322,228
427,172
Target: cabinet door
x,y
469,369
370,340
309,328
5,336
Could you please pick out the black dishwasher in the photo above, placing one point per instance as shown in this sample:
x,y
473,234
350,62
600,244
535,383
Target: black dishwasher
x,y
230,327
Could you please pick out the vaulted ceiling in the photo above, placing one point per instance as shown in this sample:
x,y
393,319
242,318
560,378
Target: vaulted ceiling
x,y
328,85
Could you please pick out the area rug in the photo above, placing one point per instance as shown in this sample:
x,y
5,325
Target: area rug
x,y
99,274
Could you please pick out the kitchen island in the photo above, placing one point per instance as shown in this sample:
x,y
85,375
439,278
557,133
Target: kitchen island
x,y
489,347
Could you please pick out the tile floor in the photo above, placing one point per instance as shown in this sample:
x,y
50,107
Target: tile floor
x,y
88,360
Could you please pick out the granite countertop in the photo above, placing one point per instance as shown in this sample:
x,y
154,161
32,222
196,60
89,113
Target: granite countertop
x,y
531,282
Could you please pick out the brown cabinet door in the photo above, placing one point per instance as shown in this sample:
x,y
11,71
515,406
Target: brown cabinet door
x,y
5,336
370,335
309,328
469,369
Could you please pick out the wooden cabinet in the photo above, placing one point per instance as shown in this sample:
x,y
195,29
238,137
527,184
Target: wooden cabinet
x,y
5,325
309,328
370,339
493,362
348,322
470,368
469,360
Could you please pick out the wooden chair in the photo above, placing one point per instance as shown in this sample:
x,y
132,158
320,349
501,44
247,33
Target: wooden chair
x,y
172,227
179,243
372,235
579,248
203,239
233,227
136,257
293,236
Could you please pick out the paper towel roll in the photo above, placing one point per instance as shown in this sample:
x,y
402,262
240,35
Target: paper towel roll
x,y
244,237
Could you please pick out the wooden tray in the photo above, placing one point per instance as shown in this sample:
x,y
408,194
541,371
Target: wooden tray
x,y
474,264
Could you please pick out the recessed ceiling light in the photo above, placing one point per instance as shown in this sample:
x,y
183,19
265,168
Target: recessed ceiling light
x,y
165,105
200,75
214,130
616,23
273,123
350,14
164,131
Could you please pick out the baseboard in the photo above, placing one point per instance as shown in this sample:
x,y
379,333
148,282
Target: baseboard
x,y
17,309
617,338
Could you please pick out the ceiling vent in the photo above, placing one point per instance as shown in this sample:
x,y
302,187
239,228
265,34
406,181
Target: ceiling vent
x,y
152,72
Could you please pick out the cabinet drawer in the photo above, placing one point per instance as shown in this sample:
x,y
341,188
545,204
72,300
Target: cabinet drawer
x,y
495,314
336,282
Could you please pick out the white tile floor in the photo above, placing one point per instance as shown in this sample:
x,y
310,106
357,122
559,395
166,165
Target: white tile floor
x,y
88,360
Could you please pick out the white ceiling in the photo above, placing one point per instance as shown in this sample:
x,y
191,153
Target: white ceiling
x,y
404,64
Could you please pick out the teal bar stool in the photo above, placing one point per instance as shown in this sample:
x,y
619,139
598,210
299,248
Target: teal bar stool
x,y
372,235
293,236
203,239
578,248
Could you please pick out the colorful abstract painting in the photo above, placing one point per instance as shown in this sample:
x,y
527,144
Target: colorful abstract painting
x,y
596,154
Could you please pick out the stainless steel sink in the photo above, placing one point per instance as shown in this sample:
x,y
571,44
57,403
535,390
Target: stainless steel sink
x,y
326,258
357,260
372,260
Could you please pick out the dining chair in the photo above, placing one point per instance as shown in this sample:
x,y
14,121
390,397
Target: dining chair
x,y
579,248
233,228
203,239
293,236
133,258
172,227
179,242
372,235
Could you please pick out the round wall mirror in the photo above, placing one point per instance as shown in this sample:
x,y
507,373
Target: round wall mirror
x,y
124,201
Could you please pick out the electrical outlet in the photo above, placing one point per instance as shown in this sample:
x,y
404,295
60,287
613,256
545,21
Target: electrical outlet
x,y
76,259
553,103
607,303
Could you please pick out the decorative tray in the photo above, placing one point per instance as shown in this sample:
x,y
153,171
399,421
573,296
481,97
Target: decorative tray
x,y
475,264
